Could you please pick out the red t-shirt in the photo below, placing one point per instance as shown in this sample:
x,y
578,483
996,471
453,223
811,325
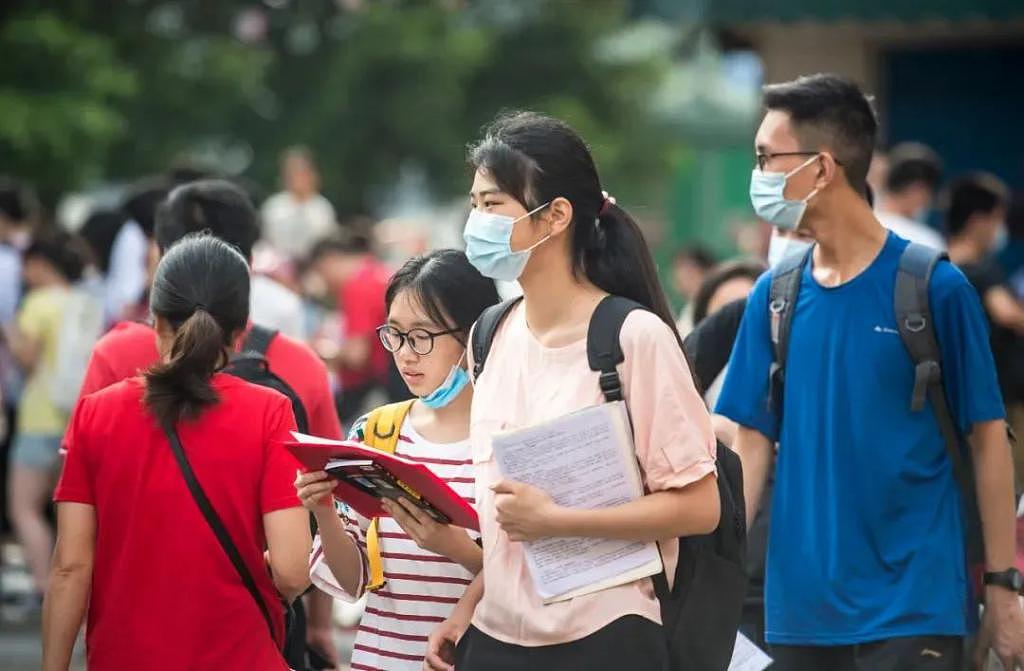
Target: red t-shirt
x,y
361,301
130,348
164,594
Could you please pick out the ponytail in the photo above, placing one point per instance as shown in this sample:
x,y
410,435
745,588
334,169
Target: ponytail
x,y
179,388
615,257
201,290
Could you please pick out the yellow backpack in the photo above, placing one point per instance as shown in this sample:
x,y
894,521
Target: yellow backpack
x,y
381,433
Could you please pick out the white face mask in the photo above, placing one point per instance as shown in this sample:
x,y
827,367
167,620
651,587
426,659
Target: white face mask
x,y
488,239
766,195
780,247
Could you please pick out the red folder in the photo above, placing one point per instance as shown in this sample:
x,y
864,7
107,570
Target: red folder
x,y
314,453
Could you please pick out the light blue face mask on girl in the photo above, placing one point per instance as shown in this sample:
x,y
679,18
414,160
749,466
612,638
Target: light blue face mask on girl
x,y
450,389
488,244
766,195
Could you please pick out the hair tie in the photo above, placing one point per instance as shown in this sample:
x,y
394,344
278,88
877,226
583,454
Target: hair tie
x,y
608,201
200,306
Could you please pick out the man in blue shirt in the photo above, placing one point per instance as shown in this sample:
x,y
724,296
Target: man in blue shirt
x,y
865,567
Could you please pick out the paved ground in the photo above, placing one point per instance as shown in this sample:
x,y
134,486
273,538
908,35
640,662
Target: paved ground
x,y
20,648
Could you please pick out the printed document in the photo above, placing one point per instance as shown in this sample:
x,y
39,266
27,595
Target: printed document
x,y
582,460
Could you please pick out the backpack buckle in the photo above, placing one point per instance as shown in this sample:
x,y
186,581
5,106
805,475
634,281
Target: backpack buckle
x,y
915,323
611,385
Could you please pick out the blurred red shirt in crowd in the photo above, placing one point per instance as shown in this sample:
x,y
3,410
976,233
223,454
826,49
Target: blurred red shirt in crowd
x,y
130,348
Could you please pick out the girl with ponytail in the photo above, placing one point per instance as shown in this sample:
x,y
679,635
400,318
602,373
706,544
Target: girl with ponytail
x,y
540,217
132,543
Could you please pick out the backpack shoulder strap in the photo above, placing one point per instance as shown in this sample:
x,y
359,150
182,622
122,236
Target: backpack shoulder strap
x,y
485,328
259,339
604,351
782,297
383,427
917,331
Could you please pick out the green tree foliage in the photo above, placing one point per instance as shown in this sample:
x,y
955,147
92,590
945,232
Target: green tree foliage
x,y
120,89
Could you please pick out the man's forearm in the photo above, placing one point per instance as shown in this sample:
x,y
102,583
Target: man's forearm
x,y
756,454
993,468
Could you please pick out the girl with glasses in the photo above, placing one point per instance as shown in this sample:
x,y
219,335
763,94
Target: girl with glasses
x,y
431,304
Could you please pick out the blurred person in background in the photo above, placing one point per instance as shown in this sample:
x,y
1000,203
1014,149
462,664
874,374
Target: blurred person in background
x,y
1011,256
52,264
133,547
911,182
358,281
19,211
296,218
726,283
689,268
976,226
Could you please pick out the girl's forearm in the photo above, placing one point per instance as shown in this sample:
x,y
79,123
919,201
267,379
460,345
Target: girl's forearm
x,y
63,612
341,553
692,510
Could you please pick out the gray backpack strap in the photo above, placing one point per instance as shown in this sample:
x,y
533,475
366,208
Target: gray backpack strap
x,y
917,330
782,297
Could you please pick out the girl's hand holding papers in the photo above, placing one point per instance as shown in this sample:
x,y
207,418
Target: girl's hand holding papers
x,y
524,512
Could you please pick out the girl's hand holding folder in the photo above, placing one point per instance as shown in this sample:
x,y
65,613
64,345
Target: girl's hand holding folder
x,y
525,512
442,539
314,490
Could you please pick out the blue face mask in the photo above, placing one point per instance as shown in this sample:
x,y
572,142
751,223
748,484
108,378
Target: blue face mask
x,y
766,195
450,389
488,245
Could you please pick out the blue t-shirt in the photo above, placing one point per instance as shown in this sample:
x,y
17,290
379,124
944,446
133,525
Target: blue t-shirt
x,y
866,539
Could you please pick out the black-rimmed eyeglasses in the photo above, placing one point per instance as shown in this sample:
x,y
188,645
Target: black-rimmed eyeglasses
x,y
764,157
421,341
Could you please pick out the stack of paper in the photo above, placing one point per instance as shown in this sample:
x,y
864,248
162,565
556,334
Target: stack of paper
x,y
582,460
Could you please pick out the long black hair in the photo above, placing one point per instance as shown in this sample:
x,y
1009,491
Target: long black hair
x,y
535,159
448,287
202,289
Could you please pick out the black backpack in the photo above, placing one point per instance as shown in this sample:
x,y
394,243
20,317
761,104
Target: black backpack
x,y
917,331
701,613
251,365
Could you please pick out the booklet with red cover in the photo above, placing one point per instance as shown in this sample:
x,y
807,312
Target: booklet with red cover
x,y
417,481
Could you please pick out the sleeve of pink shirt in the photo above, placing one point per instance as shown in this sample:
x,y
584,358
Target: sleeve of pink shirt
x,y
675,442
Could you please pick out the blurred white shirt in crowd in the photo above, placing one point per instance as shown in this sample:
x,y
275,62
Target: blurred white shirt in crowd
x,y
293,226
275,306
912,230
126,277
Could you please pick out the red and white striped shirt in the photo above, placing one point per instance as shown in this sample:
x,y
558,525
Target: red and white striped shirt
x,y
422,588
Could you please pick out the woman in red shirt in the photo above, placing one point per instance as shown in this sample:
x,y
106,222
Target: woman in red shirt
x,y
132,543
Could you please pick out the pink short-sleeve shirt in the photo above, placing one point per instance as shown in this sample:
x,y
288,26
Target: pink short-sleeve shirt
x,y
525,383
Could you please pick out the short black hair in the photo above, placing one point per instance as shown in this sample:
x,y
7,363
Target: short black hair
x,y
213,205
350,243
100,231
143,199
976,193
701,256
722,273
913,163
18,201
830,111
67,253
